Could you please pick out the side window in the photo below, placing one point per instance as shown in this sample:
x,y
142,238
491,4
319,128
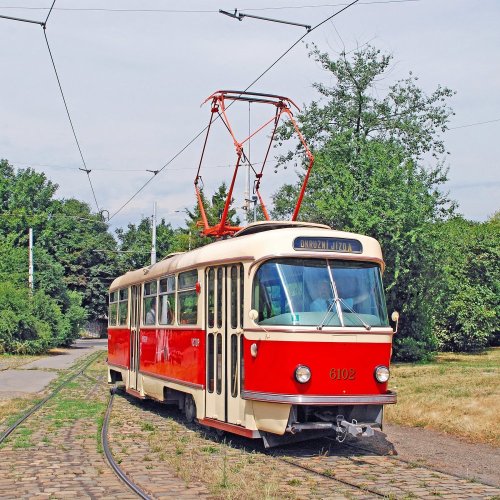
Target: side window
x,y
234,297
149,303
167,301
187,298
113,308
210,297
123,307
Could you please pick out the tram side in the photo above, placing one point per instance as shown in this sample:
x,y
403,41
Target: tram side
x,y
238,334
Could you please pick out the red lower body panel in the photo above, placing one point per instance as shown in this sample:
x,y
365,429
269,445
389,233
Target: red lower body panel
x,y
336,368
119,347
174,354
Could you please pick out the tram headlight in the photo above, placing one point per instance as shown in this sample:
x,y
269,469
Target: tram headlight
x,y
382,374
302,374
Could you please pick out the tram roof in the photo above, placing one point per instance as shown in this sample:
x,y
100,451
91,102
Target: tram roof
x,y
257,241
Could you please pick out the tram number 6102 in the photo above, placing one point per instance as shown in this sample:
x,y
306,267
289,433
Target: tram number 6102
x,y
343,374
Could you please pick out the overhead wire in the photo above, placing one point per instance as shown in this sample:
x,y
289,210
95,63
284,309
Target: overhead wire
x,y
206,11
26,164
85,168
474,124
247,88
44,27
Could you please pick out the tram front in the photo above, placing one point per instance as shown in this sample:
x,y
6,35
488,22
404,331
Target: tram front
x,y
318,342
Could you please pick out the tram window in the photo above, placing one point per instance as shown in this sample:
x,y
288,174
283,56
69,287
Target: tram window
x,y
112,314
123,307
187,305
219,296
210,363
167,301
234,297
149,303
242,296
188,279
234,365
210,297
292,291
219,364
113,308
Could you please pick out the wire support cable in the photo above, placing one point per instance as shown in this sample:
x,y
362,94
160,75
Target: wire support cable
x,y
246,89
43,24
205,11
84,169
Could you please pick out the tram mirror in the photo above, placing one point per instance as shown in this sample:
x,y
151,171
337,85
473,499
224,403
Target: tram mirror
x,y
395,318
253,314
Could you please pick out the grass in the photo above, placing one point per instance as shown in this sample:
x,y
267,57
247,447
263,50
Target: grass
x,y
457,393
66,410
23,438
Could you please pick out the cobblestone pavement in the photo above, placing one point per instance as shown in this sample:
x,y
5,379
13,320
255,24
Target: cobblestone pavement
x,y
156,448
250,473
55,454
382,474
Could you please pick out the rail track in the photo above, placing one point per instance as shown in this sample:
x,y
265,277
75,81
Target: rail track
x,y
81,371
78,372
109,456
364,473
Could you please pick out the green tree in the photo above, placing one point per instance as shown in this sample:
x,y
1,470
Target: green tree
x,y
73,249
191,236
80,242
467,285
135,243
368,177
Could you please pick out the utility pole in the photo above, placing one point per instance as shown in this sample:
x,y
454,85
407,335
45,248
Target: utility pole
x,y
153,236
31,270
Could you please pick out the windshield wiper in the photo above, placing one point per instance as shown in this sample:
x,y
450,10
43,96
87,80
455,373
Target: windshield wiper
x,y
366,325
328,312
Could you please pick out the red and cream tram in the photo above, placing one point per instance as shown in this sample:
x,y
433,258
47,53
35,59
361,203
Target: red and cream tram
x,y
280,332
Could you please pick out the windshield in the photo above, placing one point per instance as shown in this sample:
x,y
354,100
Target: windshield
x,y
312,292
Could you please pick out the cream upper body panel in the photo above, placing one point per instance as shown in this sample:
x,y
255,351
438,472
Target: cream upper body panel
x,y
256,247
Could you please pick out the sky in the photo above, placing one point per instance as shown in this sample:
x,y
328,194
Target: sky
x,y
135,75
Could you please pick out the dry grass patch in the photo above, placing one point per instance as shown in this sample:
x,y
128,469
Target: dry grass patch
x,y
228,472
457,393
12,361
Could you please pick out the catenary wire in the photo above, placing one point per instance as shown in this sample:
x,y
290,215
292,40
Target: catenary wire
x,y
206,11
50,12
21,164
474,124
85,169
248,87
44,27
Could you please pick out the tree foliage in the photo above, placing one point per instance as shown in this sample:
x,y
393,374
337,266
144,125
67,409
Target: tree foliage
x,y
71,271
368,177
466,290
135,243
191,237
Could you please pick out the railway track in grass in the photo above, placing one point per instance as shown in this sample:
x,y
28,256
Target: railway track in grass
x,y
49,413
79,371
122,475
235,465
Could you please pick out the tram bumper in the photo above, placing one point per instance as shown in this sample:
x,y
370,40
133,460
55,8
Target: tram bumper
x,y
342,427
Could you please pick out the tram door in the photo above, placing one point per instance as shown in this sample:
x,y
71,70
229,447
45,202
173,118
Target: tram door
x,y
234,365
135,323
216,343
224,337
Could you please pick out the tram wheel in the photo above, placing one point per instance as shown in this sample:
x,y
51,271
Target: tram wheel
x,y
189,408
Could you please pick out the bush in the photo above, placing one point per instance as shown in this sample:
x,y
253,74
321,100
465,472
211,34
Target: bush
x,y
33,324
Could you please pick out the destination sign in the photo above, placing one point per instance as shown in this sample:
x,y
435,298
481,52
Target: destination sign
x,y
342,245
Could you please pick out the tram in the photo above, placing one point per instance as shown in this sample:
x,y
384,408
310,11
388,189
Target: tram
x,y
280,333
277,330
